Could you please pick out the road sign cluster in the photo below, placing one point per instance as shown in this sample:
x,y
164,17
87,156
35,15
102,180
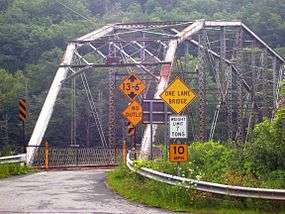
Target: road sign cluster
x,y
132,87
178,95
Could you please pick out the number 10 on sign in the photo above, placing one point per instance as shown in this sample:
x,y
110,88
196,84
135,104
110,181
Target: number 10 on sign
x,y
178,152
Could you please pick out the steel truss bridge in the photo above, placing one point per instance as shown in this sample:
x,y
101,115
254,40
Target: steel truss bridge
x,y
236,75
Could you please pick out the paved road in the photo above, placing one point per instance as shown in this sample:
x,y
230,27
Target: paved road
x,y
64,191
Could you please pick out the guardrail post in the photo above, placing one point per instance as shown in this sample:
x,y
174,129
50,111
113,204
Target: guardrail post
x,y
46,156
124,151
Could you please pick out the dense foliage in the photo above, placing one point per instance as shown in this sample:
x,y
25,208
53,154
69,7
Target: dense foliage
x,y
260,163
215,162
154,193
10,169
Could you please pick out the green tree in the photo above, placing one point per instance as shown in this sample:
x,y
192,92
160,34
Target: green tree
x,y
11,87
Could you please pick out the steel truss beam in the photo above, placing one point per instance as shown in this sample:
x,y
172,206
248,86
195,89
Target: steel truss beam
x,y
164,79
146,45
47,109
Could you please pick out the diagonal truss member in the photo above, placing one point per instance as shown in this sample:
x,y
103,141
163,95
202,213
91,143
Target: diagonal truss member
x,y
47,109
125,42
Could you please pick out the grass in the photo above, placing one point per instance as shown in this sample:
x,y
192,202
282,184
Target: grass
x,y
12,169
156,194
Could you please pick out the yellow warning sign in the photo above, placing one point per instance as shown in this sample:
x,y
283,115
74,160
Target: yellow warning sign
x,y
178,152
178,95
133,113
132,86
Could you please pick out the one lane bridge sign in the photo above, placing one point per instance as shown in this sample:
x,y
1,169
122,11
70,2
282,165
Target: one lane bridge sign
x,y
178,95
132,86
178,127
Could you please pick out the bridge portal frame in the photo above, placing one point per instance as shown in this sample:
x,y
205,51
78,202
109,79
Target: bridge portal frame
x,y
238,62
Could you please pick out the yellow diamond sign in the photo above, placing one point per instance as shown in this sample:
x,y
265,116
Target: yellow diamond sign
x,y
133,113
178,95
132,87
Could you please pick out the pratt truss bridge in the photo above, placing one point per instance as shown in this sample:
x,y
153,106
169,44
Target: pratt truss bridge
x,y
235,73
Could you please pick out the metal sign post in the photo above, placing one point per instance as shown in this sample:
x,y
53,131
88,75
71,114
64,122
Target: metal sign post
x,y
155,111
166,130
159,109
24,136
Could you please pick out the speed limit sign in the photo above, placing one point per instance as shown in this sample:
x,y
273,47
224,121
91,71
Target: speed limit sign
x,y
178,152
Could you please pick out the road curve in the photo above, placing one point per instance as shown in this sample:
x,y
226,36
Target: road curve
x,y
65,192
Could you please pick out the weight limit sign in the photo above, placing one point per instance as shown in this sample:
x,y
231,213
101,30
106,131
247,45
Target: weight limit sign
x,y
178,127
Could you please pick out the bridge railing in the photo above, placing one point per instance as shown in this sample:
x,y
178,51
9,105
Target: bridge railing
x,y
21,158
222,189
75,156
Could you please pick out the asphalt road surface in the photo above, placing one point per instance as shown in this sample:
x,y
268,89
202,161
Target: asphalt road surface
x,y
65,192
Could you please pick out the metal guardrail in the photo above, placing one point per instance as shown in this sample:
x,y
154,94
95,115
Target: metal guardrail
x,y
229,190
13,159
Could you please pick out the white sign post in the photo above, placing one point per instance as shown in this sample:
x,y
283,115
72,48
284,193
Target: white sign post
x,y
178,128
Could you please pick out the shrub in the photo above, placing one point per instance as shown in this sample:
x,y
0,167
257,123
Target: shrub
x,y
275,179
7,170
211,159
265,152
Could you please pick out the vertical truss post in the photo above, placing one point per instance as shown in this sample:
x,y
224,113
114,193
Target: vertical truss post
x,y
88,130
223,81
281,76
219,105
275,85
265,86
222,75
112,113
111,123
187,48
239,61
251,120
229,101
202,92
73,113
240,95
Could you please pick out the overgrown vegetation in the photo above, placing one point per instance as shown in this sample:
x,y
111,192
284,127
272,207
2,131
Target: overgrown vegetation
x,y
259,163
153,193
11,169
